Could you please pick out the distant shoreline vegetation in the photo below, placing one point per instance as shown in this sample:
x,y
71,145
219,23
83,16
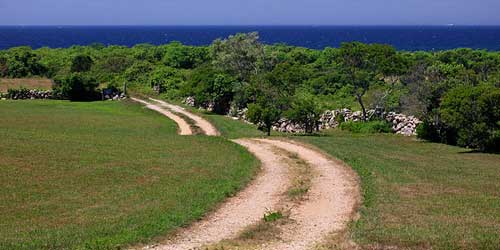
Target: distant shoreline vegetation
x,y
408,38
455,93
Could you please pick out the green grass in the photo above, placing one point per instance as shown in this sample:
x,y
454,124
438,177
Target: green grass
x,y
420,195
105,174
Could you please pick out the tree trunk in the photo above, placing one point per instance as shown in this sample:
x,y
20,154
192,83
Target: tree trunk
x,y
360,100
268,131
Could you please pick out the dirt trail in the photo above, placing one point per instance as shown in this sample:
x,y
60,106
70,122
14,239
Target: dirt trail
x,y
206,126
184,128
247,208
331,204
331,201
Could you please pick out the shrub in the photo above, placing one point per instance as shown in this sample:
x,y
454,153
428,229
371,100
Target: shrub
x,y
76,87
428,131
81,63
305,111
474,112
367,127
20,93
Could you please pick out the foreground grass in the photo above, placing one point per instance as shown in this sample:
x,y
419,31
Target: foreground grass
x,y
420,195
103,175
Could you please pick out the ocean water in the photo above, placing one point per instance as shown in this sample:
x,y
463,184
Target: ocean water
x,y
409,38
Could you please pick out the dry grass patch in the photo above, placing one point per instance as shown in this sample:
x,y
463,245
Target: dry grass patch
x,y
30,83
301,175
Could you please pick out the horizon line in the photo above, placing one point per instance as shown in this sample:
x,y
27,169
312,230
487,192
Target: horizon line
x,y
250,25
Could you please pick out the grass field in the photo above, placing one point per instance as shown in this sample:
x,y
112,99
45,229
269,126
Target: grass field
x,y
105,174
30,83
420,195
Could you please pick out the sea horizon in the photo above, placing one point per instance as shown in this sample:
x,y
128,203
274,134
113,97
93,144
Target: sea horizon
x,y
402,37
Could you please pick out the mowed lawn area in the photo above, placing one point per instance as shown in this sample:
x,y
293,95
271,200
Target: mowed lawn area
x,y
420,195
103,175
30,83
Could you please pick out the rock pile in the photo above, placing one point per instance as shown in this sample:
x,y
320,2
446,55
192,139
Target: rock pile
x,y
115,96
286,126
401,124
189,101
19,94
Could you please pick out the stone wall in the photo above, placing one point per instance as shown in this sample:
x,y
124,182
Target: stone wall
x,y
28,94
401,124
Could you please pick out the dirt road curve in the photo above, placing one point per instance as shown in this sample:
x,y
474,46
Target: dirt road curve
x,y
331,204
184,128
331,201
207,127
238,212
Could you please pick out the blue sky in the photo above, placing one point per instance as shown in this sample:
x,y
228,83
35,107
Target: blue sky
x,y
250,12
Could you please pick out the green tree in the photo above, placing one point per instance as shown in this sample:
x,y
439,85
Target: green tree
x,y
186,57
76,87
139,72
264,113
81,63
238,55
355,66
22,62
305,111
267,109
475,114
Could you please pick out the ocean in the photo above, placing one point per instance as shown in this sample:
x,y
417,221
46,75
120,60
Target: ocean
x,y
410,38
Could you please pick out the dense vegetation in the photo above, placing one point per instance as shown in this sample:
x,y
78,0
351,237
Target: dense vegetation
x,y
101,175
444,88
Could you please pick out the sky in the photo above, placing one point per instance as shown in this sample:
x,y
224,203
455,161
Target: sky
x,y
249,12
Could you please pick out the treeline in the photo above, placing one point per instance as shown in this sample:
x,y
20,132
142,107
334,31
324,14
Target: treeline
x,y
456,93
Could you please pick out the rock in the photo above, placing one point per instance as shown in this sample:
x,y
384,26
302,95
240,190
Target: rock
x,y
190,101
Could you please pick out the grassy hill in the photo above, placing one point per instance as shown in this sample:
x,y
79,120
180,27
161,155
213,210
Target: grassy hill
x,y
105,174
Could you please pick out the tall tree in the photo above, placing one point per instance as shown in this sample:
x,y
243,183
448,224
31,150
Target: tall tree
x,y
238,55
355,66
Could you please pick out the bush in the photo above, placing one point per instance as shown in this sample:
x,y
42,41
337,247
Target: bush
x,y
367,127
305,111
81,63
474,113
76,87
21,93
428,131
